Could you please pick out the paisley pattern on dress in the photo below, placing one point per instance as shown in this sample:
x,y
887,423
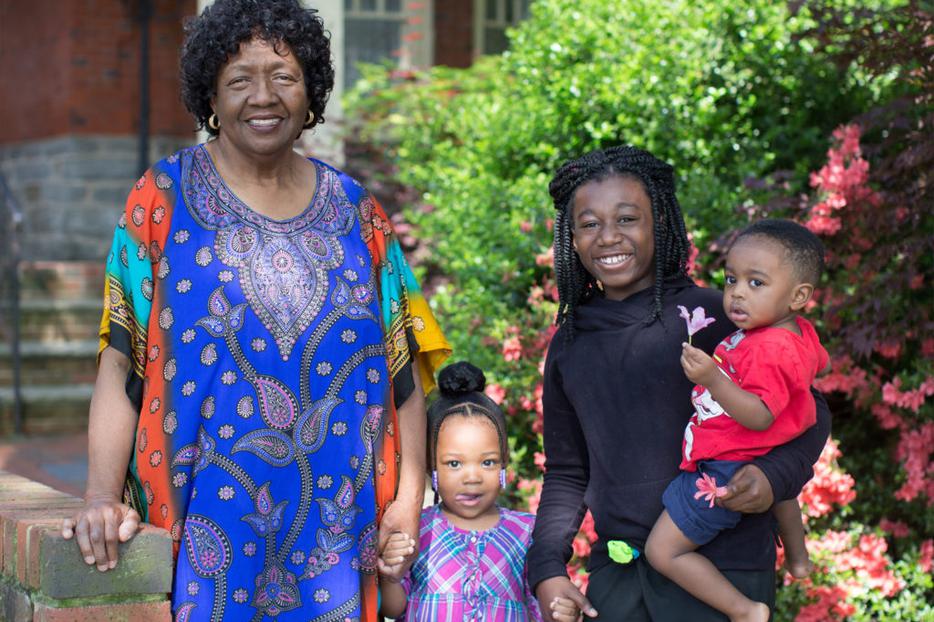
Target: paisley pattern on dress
x,y
266,441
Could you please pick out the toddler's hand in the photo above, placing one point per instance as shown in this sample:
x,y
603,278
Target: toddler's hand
x,y
698,367
564,610
396,557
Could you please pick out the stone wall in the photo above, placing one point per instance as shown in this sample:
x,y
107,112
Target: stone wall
x,y
72,189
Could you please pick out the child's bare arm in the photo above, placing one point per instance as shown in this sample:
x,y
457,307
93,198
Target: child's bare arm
x,y
394,562
745,407
392,598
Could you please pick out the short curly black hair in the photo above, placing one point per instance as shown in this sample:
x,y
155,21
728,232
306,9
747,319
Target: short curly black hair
x,y
215,35
803,249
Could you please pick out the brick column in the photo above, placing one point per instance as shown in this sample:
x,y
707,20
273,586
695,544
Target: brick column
x,y
43,577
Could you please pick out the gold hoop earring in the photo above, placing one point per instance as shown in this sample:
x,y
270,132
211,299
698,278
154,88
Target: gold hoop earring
x,y
213,122
310,120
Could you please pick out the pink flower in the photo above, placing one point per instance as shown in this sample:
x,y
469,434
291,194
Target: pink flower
x,y
696,320
495,392
926,555
512,349
896,528
830,485
708,490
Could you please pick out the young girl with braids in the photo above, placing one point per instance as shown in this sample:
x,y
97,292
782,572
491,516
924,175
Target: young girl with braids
x,y
616,400
471,563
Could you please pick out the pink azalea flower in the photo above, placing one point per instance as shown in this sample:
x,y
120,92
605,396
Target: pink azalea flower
x,y
696,320
708,490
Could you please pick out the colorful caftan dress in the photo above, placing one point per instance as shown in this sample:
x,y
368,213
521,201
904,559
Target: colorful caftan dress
x,y
268,359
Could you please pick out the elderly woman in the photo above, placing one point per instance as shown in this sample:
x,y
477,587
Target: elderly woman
x,y
265,349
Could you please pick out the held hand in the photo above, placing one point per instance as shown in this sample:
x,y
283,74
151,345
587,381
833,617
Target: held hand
x,y
565,610
401,516
749,491
397,557
553,596
99,527
698,366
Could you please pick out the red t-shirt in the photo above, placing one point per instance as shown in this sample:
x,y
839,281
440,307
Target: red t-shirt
x,y
772,363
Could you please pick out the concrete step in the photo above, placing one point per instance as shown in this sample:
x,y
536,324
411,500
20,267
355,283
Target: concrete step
x,y
57,320
54,362
61,280
47,409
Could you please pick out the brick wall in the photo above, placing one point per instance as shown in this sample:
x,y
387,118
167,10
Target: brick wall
x,y
73,68
44,579
454,33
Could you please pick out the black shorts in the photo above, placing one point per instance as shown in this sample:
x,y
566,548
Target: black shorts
x,y
636,592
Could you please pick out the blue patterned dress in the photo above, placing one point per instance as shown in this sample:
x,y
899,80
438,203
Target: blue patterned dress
x,y
265,358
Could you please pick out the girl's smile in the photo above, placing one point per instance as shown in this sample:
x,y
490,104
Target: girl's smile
x,y
614,234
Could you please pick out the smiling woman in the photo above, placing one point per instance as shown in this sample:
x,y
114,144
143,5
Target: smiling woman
x,y
265,347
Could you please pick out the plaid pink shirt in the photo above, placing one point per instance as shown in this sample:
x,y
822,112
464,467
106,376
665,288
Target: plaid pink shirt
x,y
466,576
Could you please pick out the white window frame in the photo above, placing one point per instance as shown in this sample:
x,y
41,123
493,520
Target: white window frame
x,y
414,17
481,22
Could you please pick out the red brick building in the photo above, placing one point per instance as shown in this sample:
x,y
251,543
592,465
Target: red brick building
x,y
70,147
79,128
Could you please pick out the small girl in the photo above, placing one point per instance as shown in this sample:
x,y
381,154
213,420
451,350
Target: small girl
x,y
752,395
471,560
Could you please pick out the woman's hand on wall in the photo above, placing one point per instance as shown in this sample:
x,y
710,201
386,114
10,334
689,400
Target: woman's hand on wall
x,y
99,528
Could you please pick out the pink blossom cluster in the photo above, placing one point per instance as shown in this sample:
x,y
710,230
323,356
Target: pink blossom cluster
x,y
926,557
582,544
830,485
856,564
831,605
897,529
912,400
914,451
532,489
512,345
841,182
845,377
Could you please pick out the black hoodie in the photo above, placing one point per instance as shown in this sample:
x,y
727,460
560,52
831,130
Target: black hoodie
x,y
616,402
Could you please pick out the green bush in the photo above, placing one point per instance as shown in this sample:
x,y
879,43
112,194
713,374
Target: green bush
x,y
726,92
723,90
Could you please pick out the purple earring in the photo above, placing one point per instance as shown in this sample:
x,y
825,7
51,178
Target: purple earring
x,y
434,481
502,478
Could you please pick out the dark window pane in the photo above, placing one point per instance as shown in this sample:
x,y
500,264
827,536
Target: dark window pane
x,y
368,41
348,5
394,6
510,14
368,5
491,13
494,40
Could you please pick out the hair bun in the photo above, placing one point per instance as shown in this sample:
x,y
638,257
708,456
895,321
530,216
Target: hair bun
x,y
461,378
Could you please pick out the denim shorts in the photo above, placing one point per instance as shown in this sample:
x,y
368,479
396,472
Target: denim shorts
x,y
699,522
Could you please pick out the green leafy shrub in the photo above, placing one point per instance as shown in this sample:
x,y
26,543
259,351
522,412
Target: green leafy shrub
x,y
726,91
